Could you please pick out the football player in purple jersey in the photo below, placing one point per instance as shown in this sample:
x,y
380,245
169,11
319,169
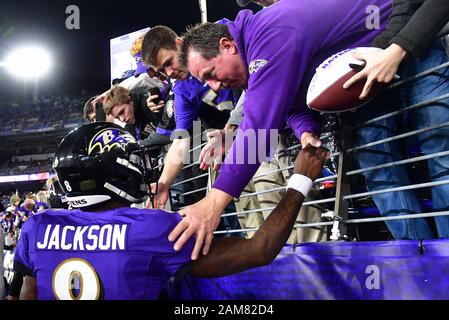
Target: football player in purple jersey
x,y
103,249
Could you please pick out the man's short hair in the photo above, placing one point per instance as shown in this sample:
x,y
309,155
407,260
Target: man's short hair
x,y
263,3
205,39
243,3
159,37
88,108
117,95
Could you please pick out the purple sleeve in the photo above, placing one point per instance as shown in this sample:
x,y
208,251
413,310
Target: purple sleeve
x,y
22,250
178,259
282,56
152,238
185,112
305,121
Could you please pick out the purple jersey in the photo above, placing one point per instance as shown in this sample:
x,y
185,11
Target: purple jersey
x,y
191,96
118,254
7,225
281,46
24,212
40,206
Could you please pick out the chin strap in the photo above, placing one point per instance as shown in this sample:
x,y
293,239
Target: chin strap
x,y
121,193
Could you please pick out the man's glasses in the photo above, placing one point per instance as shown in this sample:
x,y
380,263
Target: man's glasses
x,y
156,74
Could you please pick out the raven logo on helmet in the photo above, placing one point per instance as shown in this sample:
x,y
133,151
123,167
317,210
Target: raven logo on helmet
x,y
106,139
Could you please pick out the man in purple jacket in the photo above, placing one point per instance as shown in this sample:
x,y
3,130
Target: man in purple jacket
x,y
105,250
273,54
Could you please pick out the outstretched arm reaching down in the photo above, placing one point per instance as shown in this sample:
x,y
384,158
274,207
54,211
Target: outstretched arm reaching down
x,y
232,255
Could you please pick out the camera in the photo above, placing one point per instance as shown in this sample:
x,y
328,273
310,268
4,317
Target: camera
x,y
100,115
156,92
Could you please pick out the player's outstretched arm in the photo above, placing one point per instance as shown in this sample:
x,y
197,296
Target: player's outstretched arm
x,y
232,255
29,289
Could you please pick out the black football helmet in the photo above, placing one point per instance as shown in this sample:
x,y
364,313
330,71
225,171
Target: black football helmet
x,y
101,161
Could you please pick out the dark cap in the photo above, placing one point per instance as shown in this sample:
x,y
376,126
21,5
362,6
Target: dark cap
x,y
243,3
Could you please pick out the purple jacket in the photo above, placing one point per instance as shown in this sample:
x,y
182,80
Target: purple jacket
x,y
282,45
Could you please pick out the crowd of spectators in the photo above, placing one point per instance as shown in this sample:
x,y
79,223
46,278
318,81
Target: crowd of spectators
x,y
24,167
48,113
15,210
21,116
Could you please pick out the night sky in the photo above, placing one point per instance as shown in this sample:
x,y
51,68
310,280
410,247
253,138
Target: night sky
x,y
82,56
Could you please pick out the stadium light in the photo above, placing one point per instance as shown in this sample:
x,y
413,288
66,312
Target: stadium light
x,y
28,62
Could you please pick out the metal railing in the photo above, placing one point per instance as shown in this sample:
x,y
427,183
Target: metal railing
x,y
344,172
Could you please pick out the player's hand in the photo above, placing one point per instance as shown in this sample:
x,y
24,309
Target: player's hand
x,y
310,138
154,107
200,219
379,67
310,161
161,197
